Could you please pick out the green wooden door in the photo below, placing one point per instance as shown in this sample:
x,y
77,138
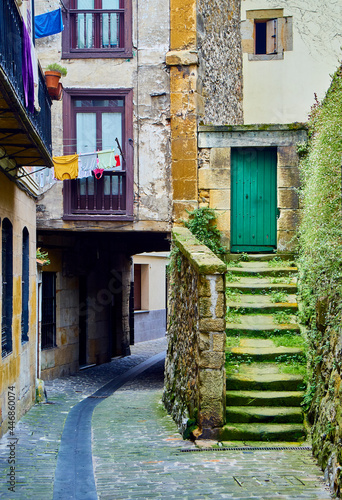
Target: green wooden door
x,y
253,199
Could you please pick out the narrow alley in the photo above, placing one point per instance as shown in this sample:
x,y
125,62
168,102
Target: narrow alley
x,y
137,452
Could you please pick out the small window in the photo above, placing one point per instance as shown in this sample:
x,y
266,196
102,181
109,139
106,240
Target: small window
x,y
25,287
48,310
7,287
266,36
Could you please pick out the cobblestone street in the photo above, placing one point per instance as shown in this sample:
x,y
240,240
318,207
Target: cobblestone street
x,y
137,451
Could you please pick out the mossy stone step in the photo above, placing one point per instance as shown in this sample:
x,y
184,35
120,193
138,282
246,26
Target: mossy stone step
x,y
259,323
262,432
254,268
264,353
264,382
252,414
259,285
262,304
264,398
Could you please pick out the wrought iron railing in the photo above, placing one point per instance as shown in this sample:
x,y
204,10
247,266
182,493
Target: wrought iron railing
x,y
11,29
96,29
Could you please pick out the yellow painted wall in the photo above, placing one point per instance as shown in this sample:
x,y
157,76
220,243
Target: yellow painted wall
x,y
184,105
18,368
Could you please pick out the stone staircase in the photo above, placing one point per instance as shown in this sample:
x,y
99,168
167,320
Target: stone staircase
x,y
265,356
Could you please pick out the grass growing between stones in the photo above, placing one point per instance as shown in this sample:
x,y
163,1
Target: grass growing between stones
x,y
278,297
282,318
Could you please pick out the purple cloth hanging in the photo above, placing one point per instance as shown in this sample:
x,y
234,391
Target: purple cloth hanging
x,y
27,71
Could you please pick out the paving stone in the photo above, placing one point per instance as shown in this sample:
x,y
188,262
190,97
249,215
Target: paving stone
x,y
137,449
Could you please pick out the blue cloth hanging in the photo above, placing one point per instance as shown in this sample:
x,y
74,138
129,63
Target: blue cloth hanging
x,y
48,24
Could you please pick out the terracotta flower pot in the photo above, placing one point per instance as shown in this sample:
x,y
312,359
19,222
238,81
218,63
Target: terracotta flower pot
x,y
56,93
52,79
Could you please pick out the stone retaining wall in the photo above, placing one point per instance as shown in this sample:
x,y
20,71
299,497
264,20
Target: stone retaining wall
x,y
194,391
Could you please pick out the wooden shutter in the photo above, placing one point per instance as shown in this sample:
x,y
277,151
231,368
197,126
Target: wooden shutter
x,y
271,36
284,35
247,36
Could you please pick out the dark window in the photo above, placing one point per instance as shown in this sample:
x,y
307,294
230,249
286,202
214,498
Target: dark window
x,y
260,38
48,310
93,123
97,28
25,286
137,287
7,287
266,36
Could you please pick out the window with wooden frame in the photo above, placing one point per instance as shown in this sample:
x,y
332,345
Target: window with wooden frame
x,y
25,286
97,28
48,326
266,34
7,287
93,120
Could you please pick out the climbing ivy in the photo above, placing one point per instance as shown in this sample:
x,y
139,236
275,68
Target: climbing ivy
x,y
320,238
201,223
320,265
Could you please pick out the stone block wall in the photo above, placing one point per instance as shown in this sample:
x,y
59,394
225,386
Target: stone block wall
x,y
214,183
194,391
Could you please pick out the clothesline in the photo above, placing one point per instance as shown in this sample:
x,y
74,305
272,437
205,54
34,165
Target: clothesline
x,y
85,164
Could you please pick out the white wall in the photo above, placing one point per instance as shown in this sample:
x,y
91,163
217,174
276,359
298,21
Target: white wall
x,y
282,91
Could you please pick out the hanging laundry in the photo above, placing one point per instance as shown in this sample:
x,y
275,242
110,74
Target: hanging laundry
x,y
48,24
66,167
86,164
98,172
117,160
106,159
27,71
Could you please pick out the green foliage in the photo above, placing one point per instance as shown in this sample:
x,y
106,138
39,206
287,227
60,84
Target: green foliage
x,y
275,262
57,67
233,315
278,297
282,318
202,224
282,280
231,278
233,295
43,256
320,232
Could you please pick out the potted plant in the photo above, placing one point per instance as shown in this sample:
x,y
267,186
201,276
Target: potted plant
x,y
52,76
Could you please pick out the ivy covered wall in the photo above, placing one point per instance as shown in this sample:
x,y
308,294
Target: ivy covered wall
x,y
321,277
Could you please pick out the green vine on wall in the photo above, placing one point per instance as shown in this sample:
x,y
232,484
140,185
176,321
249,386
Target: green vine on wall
x,y
202,225
320,233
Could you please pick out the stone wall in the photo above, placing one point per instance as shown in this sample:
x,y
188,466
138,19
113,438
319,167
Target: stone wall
x,y
220,61
214,182
195,386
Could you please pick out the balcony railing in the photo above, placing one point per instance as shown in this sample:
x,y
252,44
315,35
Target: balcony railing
x,y
11,26
96,29
90,196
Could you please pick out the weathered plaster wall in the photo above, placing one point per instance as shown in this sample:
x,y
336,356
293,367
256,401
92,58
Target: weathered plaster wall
x,y
18,369
194,368
214,182
185,100
282,91
148,75
220,61
62,360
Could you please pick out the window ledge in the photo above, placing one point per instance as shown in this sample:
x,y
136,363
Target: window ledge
x,y
140,311
266,57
